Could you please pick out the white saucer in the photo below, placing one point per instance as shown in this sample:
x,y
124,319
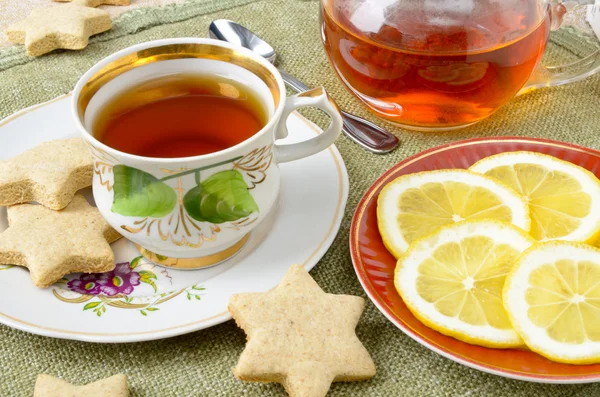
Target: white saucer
x,y
166,302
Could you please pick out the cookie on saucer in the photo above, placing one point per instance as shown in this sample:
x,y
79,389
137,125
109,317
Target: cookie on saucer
x,y
52,244
51,174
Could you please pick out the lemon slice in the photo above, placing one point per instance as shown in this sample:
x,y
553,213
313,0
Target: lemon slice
x,y
564,199
415,205
452,280
552,296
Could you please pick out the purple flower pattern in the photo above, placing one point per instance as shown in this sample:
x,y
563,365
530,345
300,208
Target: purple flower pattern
x,y
100,291
121,280
88,284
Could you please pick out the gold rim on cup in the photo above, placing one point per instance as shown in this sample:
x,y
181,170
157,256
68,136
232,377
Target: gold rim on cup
x,y
174,51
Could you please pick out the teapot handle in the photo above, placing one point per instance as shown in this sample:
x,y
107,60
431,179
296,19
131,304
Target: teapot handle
x,y
549,76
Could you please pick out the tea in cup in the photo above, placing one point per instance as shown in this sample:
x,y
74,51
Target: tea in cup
x,y
180,115
183,134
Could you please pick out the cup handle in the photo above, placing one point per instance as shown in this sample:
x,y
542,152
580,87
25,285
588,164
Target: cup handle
x,y
318,98
549,76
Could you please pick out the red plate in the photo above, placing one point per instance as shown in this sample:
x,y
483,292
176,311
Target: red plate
x,y
375,266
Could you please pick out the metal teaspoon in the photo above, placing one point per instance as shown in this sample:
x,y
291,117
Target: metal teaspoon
x,y
361,131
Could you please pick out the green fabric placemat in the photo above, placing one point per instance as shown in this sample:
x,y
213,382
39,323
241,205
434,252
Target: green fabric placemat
x,y
199,364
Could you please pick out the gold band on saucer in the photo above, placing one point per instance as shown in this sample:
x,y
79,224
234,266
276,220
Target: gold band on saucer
x,y
194,263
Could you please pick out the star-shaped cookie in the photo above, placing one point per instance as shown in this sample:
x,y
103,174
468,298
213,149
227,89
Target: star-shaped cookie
x,y
66,26
96,3
52,244
300,336
49,386
51,174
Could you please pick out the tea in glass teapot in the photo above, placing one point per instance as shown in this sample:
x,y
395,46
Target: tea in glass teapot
x,y
443,64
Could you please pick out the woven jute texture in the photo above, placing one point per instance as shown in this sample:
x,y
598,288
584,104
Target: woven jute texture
x,y
199,364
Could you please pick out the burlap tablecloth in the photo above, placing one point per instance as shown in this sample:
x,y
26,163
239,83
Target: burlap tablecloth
x,y
199,364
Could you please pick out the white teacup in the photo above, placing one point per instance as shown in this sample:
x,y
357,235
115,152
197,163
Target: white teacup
x,y
176,216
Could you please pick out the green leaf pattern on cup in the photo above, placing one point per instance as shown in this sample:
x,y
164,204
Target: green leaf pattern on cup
x,y
138,193
222,197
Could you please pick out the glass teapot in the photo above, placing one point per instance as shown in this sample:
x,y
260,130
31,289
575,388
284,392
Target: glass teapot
x,y
443,64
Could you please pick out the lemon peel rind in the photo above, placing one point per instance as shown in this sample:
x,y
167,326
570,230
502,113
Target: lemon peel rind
x,y
397,245
589,234
513,298
502,233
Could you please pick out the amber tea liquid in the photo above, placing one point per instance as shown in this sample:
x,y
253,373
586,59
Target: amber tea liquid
x,y
180,115
433,71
